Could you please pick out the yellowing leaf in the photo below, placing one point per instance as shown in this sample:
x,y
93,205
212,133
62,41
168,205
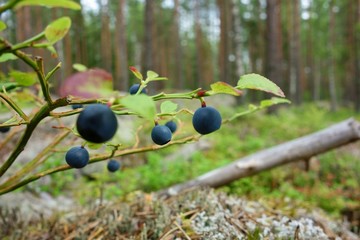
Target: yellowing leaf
x,y
258,82
56,30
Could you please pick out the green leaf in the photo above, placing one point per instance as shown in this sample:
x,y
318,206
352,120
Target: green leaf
x,y
8,86
273,101
2,26
79,67
141,104
222,87
23,78
157,79
168,107
56,30
50,3
7,56
258,82
151,75
94,146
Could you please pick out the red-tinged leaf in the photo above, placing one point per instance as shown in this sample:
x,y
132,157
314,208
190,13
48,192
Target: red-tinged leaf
x,y
258,82
136,72
222,87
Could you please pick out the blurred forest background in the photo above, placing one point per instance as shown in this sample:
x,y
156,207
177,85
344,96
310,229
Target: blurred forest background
x,y
311,49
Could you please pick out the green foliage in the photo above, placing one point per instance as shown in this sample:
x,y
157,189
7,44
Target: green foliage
x,y
2,26
222,87
22,78
50,3
258,82
141,104
168,107
56,30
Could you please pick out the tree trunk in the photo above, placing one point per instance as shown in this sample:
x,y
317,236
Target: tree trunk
x,y
177,49
332,40
106,50
296,81
273,42
121,80
225,41
357,57
237,41
298,149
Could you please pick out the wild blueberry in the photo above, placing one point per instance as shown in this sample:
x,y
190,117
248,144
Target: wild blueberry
x,y
161,134
77,157
134,88
113,165
97,123
4,129
171,125
76,106
206,120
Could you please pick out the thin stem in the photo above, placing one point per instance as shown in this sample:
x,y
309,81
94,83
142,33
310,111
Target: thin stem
x,y
39,159
43,81
41,114
95,159
188,95
28,43
14,106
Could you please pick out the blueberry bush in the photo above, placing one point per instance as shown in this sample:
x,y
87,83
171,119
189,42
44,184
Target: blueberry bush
x,y
97,120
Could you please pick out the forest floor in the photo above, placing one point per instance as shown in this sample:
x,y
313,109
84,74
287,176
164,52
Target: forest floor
x,y
285,203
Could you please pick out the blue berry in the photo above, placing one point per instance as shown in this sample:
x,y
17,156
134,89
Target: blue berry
x,y
134,88
206,120
97,123
76,106
113,165
171,125
4,129
161,134
77,157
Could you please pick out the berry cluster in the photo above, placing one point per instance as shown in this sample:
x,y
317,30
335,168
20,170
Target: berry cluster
x,y
97,123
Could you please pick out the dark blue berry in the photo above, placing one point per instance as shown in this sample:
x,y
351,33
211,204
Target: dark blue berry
x,y
134,88
76,106
77,157
161,134
113,165
206,120
4,129
97,123
171,125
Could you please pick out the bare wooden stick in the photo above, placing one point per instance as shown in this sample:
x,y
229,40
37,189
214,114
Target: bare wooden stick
x,y
298,149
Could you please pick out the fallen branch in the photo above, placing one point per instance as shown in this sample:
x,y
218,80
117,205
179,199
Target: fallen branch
x,y
298,149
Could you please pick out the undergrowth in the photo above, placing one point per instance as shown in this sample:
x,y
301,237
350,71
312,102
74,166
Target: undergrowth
x,y
336,175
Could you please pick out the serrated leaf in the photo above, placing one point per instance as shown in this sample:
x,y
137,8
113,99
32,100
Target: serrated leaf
x,y
273,101
258,82
79,67
2,26
137,74
56,30
23,78
222,87
7,56
151,75
168,107
141,104
50,3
